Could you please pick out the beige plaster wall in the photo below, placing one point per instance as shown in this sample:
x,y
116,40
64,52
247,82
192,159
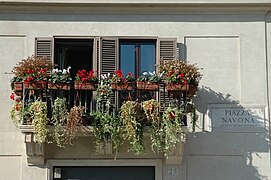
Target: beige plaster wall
x,y
230,47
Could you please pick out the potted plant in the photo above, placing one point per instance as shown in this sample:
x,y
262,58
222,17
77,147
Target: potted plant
x,y
86,80
132,119
121,82
33,71
179,75
148,81
60,79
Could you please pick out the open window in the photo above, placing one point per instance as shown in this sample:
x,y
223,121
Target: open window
x,y
107,54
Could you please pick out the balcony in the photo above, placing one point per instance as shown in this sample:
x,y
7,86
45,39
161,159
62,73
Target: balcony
x,y
79,110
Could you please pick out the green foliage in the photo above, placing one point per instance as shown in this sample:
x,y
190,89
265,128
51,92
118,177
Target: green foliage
x,y
60,76
170,129
151,109
59,120
38,111
13,80
74,121
132,120
107,126
149,77
16,113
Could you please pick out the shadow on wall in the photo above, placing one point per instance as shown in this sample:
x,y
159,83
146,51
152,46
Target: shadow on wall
x,y
251,143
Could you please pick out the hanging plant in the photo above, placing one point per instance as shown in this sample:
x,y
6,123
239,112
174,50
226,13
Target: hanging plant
x,y
38,111
151,110
59,119
16,110
132,119
107,126
170,129
73,121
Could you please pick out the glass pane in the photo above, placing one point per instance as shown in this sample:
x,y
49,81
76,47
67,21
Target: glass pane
x,y
127,57
147,57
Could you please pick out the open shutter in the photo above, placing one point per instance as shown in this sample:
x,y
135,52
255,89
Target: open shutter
x,y
108,61
167,50
96,54
44,47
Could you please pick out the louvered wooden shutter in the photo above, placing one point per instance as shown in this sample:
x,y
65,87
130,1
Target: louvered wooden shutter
x,y
108,61
43,47
96,54
167,50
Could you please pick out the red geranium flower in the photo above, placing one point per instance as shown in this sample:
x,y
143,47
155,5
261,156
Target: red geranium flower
x,y
12,96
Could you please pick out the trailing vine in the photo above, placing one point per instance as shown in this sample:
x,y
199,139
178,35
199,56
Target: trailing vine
x,y
16,113
73,121
38,111
132,120
151,109
59,119
170,128
106,126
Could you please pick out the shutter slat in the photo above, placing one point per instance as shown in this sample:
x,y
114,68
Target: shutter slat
x,y
44,47
167,51
108,61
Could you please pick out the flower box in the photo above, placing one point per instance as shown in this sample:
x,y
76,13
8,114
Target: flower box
x,y
85,86
59,86
177,87
122,86
36,85
147,86
18,86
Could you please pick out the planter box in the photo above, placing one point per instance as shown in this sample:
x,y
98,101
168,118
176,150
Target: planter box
x,y
177,87
59,86
38,85
122,86
18,86
147,86
85,86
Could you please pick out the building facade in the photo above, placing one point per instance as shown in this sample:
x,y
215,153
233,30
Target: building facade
x,y
229,39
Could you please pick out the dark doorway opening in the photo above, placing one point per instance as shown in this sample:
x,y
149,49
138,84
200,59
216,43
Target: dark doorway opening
x,y
105,173
76,53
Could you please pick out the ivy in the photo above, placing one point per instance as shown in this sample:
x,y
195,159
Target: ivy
x,y
38,111
132,119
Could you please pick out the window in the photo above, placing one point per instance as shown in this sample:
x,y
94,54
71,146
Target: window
x,y
136,56
107,54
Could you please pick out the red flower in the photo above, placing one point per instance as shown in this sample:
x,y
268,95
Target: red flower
x,y
12,96
29,79
42,71
171,72
118,73
84,79
172,115
18,107
182,74
28,71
